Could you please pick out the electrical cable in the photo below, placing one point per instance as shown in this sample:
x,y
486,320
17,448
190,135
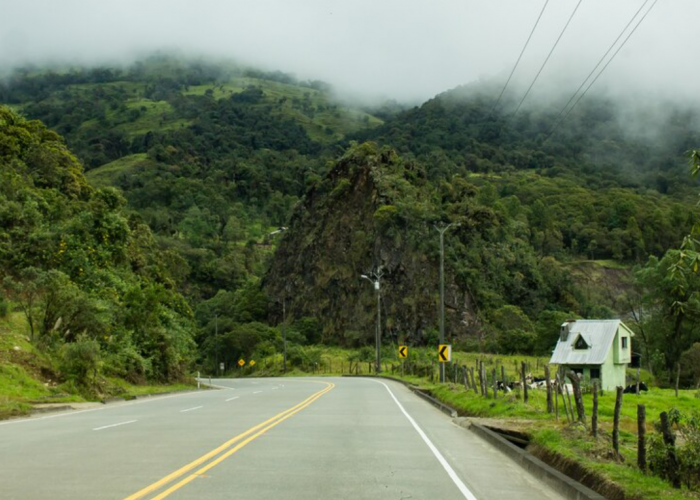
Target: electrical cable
x,y
547,59
583,83
527,42
554,129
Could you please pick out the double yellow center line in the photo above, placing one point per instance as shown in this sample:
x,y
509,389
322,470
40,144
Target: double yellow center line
x,y
224,451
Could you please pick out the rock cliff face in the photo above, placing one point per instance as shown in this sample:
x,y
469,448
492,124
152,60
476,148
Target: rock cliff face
x,y
373,209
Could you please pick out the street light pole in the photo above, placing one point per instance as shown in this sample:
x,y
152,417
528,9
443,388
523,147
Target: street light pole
x,y
378,334
442,230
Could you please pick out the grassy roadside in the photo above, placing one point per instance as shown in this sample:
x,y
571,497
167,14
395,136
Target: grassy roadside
x,y
29,377
571,441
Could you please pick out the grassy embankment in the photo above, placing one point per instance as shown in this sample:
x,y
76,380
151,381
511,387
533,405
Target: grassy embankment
x,y
29,376
571,442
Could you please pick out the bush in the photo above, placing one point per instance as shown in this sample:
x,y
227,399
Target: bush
x,y
687,450
81,360
4,308
128,364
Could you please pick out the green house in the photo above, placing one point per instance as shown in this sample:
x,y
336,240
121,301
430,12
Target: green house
x,y
595,349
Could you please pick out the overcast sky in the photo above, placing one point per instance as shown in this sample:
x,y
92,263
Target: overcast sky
x,y
403,49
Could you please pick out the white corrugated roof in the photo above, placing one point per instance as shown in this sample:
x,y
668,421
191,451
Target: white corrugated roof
x,y
598,334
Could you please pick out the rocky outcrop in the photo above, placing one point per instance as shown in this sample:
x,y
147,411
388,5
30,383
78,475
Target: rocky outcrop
x,y
372,210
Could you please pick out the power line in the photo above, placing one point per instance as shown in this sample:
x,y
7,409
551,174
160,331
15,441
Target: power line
x,y
600,61
532,32
547,59
554,129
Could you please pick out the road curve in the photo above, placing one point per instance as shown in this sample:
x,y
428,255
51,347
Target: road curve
x,y
303,438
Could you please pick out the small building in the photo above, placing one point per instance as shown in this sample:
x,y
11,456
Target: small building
x,y
595,349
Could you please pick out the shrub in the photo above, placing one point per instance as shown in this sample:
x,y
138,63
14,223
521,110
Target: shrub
x,y
81,360
687,450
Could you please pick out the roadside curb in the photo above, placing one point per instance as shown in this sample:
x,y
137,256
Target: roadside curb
x,y
106,401
35,411
560,482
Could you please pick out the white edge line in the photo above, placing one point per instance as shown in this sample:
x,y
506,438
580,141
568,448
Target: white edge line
x,y
445,465
231,399
190,409
114,425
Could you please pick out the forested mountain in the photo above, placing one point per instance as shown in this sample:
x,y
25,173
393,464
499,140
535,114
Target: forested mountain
x,y
214,157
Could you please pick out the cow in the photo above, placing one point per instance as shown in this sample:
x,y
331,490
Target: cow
x,y
632,388
502,386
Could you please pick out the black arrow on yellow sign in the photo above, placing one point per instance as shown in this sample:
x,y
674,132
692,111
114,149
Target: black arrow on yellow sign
x,y
444,353
403,351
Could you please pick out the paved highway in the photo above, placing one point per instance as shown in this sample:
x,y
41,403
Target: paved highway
x,y
259,438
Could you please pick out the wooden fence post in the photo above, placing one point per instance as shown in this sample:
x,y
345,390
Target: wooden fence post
x,y
503,374
670,442
549,389
525,397
576,385
471,372
678,376
641,437
556,399
616,422
495,384
594,416
561,385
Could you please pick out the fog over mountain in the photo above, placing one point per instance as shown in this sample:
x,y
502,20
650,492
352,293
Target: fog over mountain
x,y
403,49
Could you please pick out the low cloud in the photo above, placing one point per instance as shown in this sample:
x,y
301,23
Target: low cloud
x,y
407,50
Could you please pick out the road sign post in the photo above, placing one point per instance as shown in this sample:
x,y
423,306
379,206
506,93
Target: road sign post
x,y
444,353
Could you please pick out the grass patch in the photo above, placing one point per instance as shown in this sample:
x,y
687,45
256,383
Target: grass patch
x,y
107,174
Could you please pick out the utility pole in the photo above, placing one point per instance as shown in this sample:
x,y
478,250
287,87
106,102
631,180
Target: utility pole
x,y
284,312
378,342
441,229
218,343
284,334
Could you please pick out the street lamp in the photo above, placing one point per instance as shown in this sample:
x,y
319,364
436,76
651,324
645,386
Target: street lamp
x,y
284,313
377,286
441,229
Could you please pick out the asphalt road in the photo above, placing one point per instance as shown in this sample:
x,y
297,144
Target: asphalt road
x,y
259,438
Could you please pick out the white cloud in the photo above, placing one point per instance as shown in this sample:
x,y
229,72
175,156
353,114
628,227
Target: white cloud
x,y
410,49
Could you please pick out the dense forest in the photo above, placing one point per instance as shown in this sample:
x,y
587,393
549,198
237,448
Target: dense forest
x,y
90,279
202,162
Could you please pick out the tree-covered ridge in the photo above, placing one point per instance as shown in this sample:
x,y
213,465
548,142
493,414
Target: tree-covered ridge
x,y
211,156
591,190
104,113
88,277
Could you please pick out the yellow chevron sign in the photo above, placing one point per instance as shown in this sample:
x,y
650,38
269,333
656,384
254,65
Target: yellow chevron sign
x,y
444,353
403,351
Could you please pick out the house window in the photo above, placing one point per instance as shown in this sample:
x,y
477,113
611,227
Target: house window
x,y
624,342
595,373
580,343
